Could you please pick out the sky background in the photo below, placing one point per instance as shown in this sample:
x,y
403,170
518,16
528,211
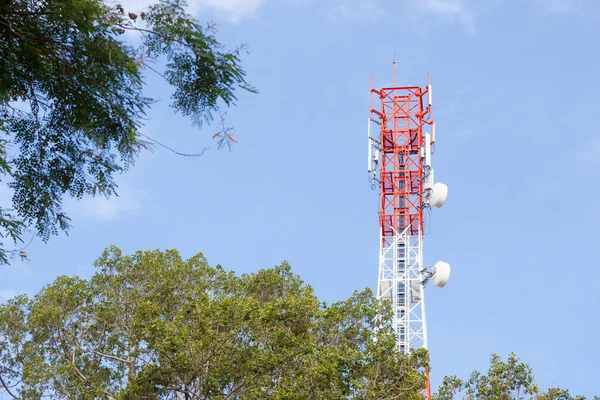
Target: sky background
x,y
515,95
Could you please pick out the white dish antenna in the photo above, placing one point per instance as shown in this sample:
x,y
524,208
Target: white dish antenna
x,y
440,274
438,195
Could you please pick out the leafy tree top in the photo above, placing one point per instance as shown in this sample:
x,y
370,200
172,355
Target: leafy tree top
x,y
504,380
154,326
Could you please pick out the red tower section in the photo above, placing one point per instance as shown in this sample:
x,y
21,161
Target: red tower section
x,y
402,113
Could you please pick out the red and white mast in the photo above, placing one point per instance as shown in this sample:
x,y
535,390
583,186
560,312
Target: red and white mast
x,y
400,164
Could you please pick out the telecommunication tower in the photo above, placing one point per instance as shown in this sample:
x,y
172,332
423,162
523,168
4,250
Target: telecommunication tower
x,y
400,165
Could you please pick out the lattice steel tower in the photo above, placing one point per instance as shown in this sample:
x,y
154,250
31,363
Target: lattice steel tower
x,y
400,165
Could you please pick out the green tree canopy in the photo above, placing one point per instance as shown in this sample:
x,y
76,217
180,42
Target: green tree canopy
x,y
72,102
154,326
508,380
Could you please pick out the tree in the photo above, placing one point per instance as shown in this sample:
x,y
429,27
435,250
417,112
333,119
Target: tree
x,y
508,380
72,102
154,326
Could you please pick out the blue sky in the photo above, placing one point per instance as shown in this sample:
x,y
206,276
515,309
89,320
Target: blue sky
x,y
516,91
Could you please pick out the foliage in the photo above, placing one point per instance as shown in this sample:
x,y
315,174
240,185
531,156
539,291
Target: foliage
x,y
154,326
71,98
504,381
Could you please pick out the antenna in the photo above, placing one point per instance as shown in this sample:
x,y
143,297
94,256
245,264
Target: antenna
x,y
370,165
394,73
430,94
427,150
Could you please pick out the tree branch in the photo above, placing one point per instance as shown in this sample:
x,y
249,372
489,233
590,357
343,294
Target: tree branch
x,y
28,13
113,357
129,27
174,151
7,389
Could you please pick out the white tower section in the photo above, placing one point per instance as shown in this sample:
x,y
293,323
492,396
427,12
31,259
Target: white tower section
x,y
401,281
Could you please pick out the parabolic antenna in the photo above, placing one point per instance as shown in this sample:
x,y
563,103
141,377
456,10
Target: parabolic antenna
x,y
439,194
440,274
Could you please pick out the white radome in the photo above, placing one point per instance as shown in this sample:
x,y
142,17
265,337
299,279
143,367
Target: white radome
x,y
439,195
441,274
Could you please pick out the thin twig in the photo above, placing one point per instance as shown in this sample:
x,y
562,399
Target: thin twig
x,y
23,248
162,35
174,151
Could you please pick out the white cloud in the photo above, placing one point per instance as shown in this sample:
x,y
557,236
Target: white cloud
x,y
129,201
454,9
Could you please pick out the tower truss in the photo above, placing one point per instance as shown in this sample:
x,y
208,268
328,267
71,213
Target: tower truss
x,y
399,164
